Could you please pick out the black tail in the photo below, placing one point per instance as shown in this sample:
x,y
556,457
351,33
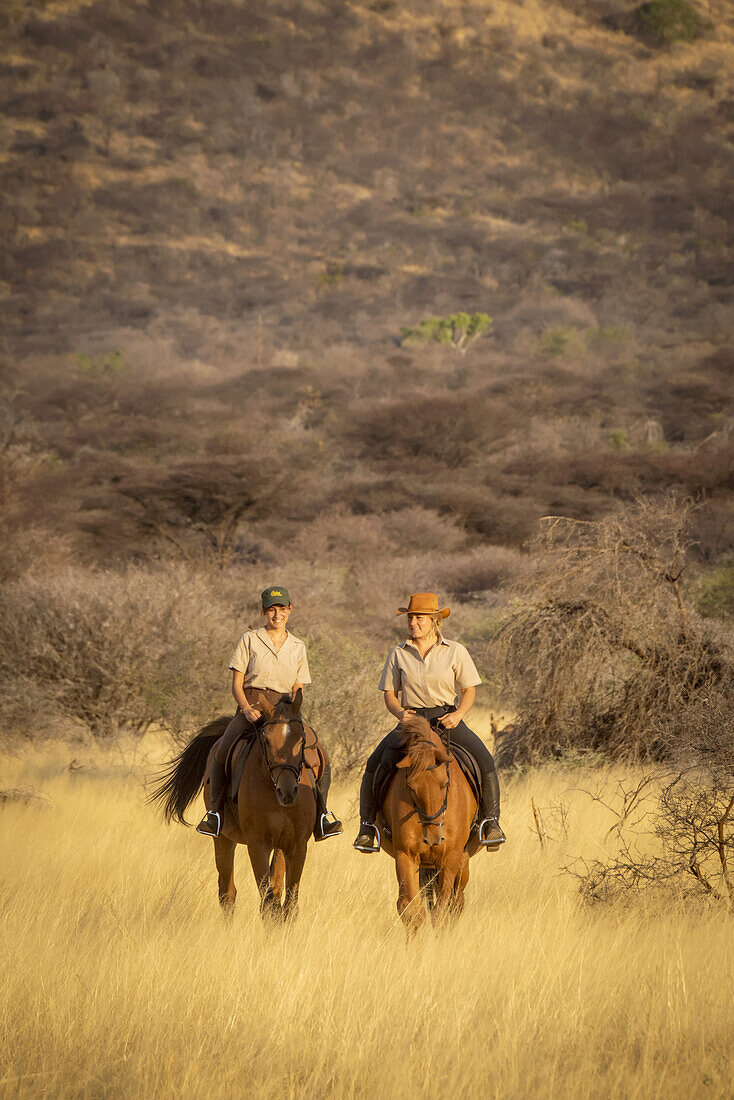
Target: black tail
x,y
181,780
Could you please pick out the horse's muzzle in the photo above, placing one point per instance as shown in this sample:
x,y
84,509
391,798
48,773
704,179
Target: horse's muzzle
x,y
287,791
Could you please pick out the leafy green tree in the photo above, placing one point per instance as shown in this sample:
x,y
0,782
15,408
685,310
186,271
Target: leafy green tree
x,y
458,330
663,22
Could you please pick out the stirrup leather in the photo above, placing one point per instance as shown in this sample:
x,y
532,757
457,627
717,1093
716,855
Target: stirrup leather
x,y
360,847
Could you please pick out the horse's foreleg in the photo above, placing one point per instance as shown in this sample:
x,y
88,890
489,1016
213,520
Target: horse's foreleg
x,y
293,871
457,902
277,874
224,859
410,902
448,884
446,881
260,859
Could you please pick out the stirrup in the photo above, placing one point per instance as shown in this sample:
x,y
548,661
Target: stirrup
x,y
209,827
490,822
323,824
360,847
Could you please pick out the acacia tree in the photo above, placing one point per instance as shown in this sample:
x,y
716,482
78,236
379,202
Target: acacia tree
x,y
200,505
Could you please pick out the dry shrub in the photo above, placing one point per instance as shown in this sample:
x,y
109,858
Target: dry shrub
x,y
623,473
601,652
416,542
479,570
424,528
445,427
115,652
344,705
482,510
32,548
338,537
670,829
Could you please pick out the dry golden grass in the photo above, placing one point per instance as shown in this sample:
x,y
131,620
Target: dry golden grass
x,y
120,978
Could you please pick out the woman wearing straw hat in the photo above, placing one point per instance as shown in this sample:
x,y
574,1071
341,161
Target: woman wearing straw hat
x,y
271,661
435,678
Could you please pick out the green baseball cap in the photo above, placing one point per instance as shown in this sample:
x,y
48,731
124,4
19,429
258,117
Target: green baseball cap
x,y
276,595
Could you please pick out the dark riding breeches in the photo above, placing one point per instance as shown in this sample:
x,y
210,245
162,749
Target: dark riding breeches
x,y
460,735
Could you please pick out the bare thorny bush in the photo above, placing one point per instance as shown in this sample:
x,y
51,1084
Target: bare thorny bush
x,y
605,657
343,705
672,829
117,652
111,652
603,654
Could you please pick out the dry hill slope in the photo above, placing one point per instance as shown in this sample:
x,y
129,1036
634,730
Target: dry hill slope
x,y
223,211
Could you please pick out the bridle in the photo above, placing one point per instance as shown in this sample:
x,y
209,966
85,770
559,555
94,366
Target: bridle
x,y
429,819
274,767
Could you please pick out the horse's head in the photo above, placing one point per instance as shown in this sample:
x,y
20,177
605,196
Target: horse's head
x,y
426,765
282,738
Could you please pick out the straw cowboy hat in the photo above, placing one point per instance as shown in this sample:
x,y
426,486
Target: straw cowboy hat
x,y
424,603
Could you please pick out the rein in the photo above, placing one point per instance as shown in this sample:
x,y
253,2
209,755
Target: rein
x,y
274,767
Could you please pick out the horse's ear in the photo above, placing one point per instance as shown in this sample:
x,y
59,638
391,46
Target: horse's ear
x,y
265,708
297,700
404,763
442,757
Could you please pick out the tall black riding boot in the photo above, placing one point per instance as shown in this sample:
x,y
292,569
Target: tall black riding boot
x,y
367,840
490,833
324,828
211,822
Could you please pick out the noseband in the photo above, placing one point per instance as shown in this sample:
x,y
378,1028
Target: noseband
x,y
274,768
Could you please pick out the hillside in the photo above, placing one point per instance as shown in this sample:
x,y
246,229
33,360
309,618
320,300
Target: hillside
x,y
221,214
224,224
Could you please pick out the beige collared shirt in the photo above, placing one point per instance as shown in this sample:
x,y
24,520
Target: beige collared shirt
x,y
264,668
433,681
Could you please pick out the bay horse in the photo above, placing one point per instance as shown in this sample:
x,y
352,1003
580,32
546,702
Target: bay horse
x,y
275,809
429,810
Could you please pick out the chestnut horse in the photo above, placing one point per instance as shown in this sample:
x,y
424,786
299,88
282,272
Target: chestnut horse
x,y
275,810
429,809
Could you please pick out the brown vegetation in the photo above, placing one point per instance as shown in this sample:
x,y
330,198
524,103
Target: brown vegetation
x,y
220,220
603,652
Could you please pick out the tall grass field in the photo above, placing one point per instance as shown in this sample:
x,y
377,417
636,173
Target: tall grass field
x,y
120,977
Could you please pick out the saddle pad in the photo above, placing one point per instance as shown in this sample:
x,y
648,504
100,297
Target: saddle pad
x,y
314,758
470,768
236,761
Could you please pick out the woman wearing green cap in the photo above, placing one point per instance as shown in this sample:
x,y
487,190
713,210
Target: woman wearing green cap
x,y
435,678
272,661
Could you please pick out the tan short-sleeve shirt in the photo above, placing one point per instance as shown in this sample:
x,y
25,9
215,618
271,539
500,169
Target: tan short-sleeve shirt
x,y
433,681
264,668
